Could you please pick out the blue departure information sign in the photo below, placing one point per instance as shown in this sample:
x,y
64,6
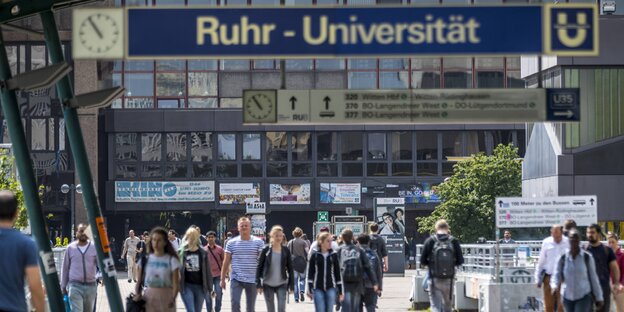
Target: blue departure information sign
x,y
316,32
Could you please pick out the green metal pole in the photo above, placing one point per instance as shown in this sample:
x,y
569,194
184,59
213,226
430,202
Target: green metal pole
x,y
76,142
29,186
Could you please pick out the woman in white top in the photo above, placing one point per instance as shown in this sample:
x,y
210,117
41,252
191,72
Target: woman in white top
x,y
159,273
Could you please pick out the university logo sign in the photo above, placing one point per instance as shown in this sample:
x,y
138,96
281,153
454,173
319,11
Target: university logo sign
x,y
571,30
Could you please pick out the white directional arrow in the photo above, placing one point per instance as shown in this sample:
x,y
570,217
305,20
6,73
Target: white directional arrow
x,y
568,114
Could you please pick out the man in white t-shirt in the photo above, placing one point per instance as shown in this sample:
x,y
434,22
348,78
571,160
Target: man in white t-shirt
x,y
242,253
314,246
174,240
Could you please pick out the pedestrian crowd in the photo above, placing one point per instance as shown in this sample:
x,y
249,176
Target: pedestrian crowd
x,y
343,273
346,276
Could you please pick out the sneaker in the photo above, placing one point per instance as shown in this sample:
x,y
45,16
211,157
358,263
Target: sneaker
x,y
302,297
135,281
129,281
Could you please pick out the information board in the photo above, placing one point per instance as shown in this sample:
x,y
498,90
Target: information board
x,y
438,106
519,212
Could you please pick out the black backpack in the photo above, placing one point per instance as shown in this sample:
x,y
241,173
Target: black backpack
x,y
442,259
350,264
373,260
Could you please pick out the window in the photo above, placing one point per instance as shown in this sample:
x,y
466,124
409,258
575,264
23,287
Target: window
x,y
490,72
252,170
126,146
351,144
427,145
227,146
327,170
377,169
457,72
251,146
327,146
401,145
452,144
402,169
176,146
276,146
426,73
201,146
301,143
352,169
376,146
279,170
151,147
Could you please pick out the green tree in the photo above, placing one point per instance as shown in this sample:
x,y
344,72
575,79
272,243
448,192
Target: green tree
x,y
468,196
9,182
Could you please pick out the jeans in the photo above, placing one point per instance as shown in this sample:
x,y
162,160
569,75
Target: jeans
x,y
582,305
216,287
352,301
82,296
269,297
236,290
299,285
369,300
324,300
194,296
440,290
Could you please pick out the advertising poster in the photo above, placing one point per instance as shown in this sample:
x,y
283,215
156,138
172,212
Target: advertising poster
x,y
341,193
258,225
289,194
390,216
238,193
164,191
419,193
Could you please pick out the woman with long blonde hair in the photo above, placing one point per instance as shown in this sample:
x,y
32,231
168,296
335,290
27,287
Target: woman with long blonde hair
x,y
274,276
195,275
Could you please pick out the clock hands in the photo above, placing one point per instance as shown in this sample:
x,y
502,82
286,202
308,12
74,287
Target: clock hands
x,y
257,103
97,30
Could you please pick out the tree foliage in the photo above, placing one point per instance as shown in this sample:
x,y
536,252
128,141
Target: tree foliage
x,y
8,181
468,196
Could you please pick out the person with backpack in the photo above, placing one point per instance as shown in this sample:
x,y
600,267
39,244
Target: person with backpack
x,y
174,240
575,278
606,264
324,279
378,244
195,274
274,274
369,300
159,274
299,249
441,254
353,265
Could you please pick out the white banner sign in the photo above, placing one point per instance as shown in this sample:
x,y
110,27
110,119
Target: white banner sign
x,y
238,193
519,212
256,208
390,201
164,191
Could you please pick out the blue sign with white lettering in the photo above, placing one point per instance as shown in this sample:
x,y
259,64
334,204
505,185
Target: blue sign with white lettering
x,y
359,31
563,104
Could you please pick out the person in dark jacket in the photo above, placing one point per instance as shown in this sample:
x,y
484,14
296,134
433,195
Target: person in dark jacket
x,y
274,275
324,280
195,274
441,289
369,300
353,289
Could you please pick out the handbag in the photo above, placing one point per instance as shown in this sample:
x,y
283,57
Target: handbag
x,y
134,306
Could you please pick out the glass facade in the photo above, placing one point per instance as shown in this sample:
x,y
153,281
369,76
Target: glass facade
x,y
602,95
289,154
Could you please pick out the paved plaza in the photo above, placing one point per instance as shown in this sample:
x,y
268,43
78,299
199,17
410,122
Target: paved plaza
x,y
394,298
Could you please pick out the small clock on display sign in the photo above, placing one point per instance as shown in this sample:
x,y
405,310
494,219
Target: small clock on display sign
x,y
259,106
98,33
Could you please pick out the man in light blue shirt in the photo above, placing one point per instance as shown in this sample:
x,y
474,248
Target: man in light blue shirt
x,y
575,277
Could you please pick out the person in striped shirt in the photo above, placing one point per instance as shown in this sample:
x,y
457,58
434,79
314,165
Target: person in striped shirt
x,y
242,253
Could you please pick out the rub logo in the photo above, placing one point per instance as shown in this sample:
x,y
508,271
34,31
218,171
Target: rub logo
x,y
572,30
